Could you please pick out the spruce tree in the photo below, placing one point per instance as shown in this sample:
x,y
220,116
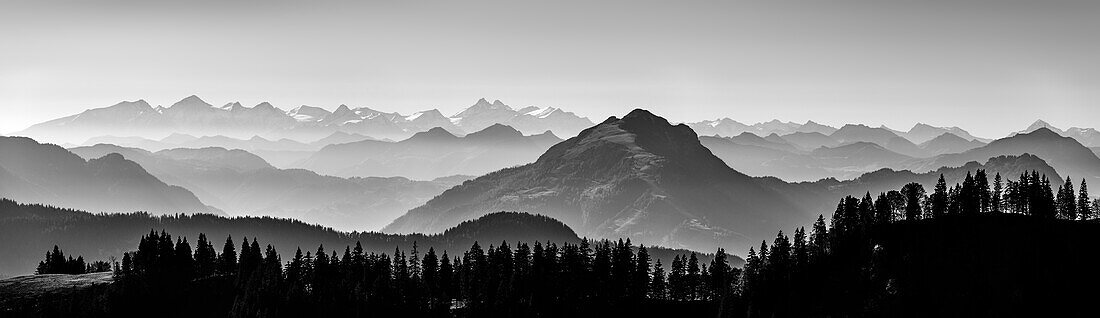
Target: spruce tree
x,y
939,198
995,196
227,261
658,288
692,279
1083,207
1067,201
184,264
641,280
981,183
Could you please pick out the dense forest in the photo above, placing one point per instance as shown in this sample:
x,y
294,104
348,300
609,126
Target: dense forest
x,y
979,248
102,236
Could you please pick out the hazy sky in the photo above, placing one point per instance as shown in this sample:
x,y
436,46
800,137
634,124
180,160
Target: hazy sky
x,y
990,66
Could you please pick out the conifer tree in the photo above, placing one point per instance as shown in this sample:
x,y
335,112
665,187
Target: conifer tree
x,y
227,261
641,280
677,286
819,241
184,264
206,259
883,210
939,198
1067,201
981,183
658,288
995,196
1083,207
693,278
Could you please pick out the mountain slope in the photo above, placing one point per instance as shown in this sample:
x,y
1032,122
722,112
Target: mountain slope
x,y
637,177
109,184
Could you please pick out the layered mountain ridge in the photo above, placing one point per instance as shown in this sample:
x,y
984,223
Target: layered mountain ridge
x,y
194,116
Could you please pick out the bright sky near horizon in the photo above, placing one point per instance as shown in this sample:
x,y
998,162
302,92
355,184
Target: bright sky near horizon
x,y
989,66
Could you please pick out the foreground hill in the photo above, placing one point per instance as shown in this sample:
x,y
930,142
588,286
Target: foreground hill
x,y
244,184
638,177
432,154
49,174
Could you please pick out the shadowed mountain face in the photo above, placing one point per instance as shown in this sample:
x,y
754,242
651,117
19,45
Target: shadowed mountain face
x,y
1065,154
636,177
243,184
48,174
432,154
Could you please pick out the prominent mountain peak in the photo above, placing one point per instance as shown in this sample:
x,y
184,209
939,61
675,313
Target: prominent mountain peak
x,y
496,131
434,134
138,105
1044,132
637,176
1038,124
643,119
191,102
944,137
265,106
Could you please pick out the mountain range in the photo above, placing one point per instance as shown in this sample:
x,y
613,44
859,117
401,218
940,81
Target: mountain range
x,y
641,177
1086,136
727,127
194,116
48,174
242,183
431,154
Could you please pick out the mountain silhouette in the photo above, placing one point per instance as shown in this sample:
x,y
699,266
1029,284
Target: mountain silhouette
x,y
195,116
881,136
431,154
950,143
638,177
243,184
1065,154
49,174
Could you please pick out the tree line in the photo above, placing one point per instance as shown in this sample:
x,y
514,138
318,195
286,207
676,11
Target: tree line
x,y
529,279
862,262
958,247
57,263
